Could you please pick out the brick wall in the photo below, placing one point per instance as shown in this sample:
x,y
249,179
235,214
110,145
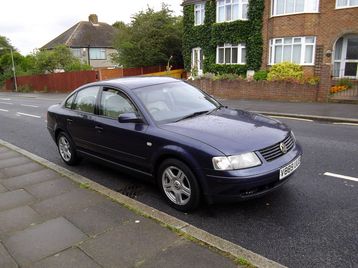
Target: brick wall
x,y
328,25
262,90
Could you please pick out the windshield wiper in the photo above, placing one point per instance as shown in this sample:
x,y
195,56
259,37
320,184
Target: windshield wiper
x,y
192,115
216,109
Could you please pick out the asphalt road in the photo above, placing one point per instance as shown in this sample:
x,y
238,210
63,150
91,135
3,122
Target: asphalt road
x,y
311,222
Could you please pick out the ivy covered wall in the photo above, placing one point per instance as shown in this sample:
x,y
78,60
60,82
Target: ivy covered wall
x,y
212,34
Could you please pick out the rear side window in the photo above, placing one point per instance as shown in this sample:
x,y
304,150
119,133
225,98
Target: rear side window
x,y
114,103
69,101
86,100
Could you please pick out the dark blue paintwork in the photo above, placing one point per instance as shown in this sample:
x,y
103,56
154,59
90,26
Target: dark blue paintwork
x,y
194,141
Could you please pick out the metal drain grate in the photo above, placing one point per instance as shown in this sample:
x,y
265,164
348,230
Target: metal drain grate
x,y
131,190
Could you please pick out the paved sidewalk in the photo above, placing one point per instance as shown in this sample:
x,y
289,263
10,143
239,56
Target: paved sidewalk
x,y
46,220
326,110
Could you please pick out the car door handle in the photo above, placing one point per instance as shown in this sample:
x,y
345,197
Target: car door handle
x,y
99,129
69,120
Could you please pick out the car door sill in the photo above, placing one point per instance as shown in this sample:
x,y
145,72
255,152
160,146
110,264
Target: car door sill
x,y
114,163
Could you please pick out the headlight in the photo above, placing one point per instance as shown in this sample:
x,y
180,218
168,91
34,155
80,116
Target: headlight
x,y
236,161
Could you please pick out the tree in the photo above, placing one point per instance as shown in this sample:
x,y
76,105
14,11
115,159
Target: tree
x,y
150,39
59,58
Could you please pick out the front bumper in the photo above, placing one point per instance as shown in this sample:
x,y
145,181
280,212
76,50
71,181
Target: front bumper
x,y
248,183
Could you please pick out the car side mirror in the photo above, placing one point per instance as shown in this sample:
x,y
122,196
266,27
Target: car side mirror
x,y
129,118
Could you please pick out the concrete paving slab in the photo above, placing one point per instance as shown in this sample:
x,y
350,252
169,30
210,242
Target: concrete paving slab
x,y
4,150
6,261
101,217
11,162
72,257
21,170
18,219
68,202
9,200
51,188
129,244
187,254
9,154
3,189
43,240
30,178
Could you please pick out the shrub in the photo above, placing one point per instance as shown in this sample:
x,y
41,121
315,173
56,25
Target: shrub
x,y
313,80
345,82
226,77
260,75
285,71
24,89
338,88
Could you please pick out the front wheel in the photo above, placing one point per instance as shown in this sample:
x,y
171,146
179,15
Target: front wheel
x,y
66,149
179,185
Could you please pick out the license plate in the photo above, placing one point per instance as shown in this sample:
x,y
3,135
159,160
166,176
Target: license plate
x,y
287,170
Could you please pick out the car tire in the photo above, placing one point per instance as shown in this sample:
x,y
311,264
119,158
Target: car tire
x,y
179,185
67,150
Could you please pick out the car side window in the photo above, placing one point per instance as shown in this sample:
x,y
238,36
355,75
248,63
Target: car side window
x,y
86,100
114,103
69,101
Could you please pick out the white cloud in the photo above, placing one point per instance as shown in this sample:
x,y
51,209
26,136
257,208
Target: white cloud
x,y
31,24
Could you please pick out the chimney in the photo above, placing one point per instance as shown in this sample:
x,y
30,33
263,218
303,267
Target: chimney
x,y
93,18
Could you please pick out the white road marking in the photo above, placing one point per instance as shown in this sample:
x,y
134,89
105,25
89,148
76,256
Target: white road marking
x,y
341,176
28,105
346,124
8,103
293,118
30,115
5,99
2,110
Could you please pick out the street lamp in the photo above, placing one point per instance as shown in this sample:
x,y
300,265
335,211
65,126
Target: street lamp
x,y
13,64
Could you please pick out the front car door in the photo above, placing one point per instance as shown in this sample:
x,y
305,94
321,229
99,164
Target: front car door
x,y
124,143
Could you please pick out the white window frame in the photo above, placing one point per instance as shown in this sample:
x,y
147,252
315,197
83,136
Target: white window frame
x,y
77,52
305,8
240,60
348,5
342,58
273,44
199,8
102,52
240,3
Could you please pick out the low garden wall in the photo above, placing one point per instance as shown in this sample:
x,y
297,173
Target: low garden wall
x,y
259,90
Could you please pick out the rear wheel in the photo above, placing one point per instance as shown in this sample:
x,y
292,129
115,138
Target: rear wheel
x,y
179,185
66,149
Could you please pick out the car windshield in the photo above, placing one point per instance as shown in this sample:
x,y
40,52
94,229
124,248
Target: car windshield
x,y
171,102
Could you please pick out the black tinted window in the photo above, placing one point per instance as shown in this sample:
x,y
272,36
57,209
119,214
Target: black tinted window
x,y
69,101
86,100
113,103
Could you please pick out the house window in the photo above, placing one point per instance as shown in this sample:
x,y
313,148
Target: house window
x,y
345,58
346,3
231,54
298,50
199,14
230,10
76,52
97,53
286,7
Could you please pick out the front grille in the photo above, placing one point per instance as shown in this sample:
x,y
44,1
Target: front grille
x,y
272,152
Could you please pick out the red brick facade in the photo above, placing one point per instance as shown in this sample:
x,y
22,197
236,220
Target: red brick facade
x,y
328,25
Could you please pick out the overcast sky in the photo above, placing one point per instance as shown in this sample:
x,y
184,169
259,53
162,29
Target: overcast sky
x,y
30,24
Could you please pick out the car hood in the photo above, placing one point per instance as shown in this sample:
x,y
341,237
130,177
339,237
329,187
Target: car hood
x,y
231,131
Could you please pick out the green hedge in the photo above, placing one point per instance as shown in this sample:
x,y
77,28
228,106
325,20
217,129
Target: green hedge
x,y
212,34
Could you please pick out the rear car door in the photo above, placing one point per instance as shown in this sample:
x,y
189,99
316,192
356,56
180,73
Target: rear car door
x,y
80,123
124,143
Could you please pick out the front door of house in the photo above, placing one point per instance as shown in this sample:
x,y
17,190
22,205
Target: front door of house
x,y
197,61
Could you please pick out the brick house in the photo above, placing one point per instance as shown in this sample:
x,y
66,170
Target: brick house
x,y
311,33
91,41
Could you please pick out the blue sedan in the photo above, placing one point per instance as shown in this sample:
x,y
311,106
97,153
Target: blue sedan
x,y
183,139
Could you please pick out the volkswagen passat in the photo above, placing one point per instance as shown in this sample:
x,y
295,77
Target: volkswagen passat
x,y
175,134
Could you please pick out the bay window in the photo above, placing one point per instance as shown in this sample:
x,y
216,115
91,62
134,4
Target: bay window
x,y
346,3
286,7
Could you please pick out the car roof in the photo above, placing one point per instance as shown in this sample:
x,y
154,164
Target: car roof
x,y
136,82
